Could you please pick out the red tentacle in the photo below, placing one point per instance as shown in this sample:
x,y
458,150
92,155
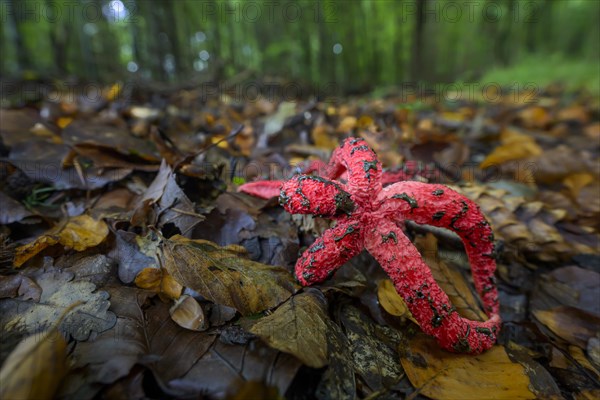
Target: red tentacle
x,y
329,252
441,206
425,299
364,169
306,194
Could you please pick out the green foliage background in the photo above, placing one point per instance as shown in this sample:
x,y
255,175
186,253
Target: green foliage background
x,y
379,42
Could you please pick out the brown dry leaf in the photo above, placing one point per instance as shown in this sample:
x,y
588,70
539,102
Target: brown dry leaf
x,y
347,124
571,324
78,233
439,374
159,281
35,368
19,285
324,138
451,281
298,327
515,146
391,301
187,313
374,360
535,117
223,276
577,181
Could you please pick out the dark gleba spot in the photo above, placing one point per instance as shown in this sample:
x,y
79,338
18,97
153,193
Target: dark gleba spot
x,y
391,235
438,215
403,196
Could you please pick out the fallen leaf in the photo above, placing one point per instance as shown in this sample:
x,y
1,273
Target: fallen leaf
x,y
515,146
59,292
577,181
130,252
450,280
221,275
159,281
298,327
338,381
11,210
439,374
374,361
19,285
35,368
571,324
391,301
171,204
78,233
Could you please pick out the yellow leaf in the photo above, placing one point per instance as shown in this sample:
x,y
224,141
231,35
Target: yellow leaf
x,y
112,92
577,181
35,367
149,278
63,122
391,301
439,374
298,327
78,233
159,281
347,124
515,146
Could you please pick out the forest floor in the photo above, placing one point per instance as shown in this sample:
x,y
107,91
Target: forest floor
x,y
131,266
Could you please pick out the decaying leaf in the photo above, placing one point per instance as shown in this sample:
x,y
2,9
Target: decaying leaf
x,y
59,291
19,285
374,361
391,301
172,206
515,146
439,374
131,253
78,233
298,327
223,276
187,313
572,324
35,368
338,382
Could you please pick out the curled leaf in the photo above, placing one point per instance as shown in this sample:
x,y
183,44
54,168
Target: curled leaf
x,y
78,233
35,367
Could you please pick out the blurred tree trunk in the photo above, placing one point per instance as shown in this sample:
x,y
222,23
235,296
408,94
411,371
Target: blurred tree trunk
x,y
17,35
417,52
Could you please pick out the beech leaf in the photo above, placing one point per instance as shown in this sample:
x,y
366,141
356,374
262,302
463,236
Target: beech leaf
x,y
298,327
223,276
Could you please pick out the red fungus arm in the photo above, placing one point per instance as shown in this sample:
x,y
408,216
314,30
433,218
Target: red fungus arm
x,y
426,301
441,206
360,161
306,194
329,252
